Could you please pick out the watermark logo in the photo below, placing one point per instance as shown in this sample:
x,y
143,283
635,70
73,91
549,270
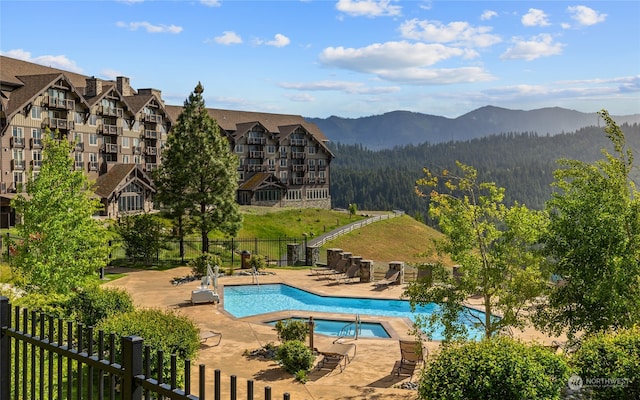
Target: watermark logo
x,y
576,382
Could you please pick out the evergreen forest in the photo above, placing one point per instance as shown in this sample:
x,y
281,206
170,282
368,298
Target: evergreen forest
x,y
522,163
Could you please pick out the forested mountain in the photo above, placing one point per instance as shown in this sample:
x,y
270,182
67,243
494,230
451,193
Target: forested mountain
x,y
399,128
522,163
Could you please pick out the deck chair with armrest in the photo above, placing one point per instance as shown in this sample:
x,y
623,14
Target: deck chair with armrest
x,y
207,334
390,278
337,354
412,354
340,269
352,273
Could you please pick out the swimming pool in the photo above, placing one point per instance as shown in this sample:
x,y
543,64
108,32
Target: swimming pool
x,y
249,300
330,327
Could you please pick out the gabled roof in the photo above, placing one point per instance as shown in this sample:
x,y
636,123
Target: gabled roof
x,y
138,102
287,130
261,180
12,68
118,177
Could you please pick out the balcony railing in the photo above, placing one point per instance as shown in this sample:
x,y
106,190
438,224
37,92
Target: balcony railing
x,y
55,102
111,111
36,164
17,141
110,130
150,134
150,166
79,164
93,165
156,119
256,154
79,146
151,151
58,123
254,168
298,142
35,143
18,164
297,181
298,167
297,155
256,140
110,148
137,150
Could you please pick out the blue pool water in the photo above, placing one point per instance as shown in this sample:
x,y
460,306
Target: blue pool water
x,y
330,327
248,300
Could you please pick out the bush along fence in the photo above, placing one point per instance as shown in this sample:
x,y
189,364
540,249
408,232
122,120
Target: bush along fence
x,y
41,358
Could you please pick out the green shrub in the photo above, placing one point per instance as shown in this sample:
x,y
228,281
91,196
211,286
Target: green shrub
x,y
609,364
501,368
291,329
200,263
295,356
142,236
53,304
258,262
90,305
161,330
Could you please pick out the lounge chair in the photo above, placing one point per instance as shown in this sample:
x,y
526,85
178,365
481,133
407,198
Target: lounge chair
x,y
352,272
390,278
337,354
412,354
340,269
206,335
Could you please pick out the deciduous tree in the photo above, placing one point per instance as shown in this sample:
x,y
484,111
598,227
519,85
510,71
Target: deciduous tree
x,y
593,243
493,247
61,244
198,174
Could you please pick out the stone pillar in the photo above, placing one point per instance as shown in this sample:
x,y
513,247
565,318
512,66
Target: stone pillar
x,y
293,251
366,271
398,266
313,255
355,260
333,256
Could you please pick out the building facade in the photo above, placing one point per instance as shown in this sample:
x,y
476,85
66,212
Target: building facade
x,y
118,134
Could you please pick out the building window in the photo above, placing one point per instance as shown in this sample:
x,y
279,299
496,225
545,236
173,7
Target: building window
x,y
283,162
131,198
241,176
77,137
312,150
78,160
271,149
295,194
125,159
283,176
125,141
93,120
36,135
18,132
312,163
93,139
18,179
36,112
239,148
136,142
271,163
283,151
78,118
312,176
36,156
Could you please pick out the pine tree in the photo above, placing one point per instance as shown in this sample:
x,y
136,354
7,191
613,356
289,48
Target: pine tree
x,y
197,178
62,244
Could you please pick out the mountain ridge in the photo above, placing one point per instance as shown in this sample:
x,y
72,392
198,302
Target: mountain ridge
x,y
400,127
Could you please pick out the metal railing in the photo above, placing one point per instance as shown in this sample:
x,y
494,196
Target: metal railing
x,y
41,359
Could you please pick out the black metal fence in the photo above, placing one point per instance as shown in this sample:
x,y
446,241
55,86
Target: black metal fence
x,y
275,251
41,358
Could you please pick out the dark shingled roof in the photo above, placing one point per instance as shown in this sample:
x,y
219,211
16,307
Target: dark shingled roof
x,y
254,183
108,183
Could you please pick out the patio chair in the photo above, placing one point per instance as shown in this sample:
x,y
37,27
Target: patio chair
x,y
340,269
206,335
336,355
352,273
390,278
412,354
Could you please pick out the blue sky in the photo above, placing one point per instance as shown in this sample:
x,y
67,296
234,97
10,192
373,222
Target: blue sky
x,y
349,58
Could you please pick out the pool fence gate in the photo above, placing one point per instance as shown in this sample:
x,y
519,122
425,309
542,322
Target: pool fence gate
x,y
42,357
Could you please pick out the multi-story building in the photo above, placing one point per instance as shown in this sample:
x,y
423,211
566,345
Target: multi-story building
x,y
118,134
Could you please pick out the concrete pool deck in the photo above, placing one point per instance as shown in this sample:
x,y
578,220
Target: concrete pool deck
x,y
370,375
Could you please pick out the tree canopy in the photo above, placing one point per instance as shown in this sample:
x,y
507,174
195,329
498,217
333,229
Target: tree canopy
x,y
493,247
198,174
593,243
61,244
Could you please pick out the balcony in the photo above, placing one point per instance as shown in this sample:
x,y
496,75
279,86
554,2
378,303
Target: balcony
x,y
254,168
79,164
322,167
110,148
18,165
54,102
137,150
156,119
35,143
17,142
298,142
150,134
151,151
256,140
36,164
150,167
93,166
298,167
297,181
298,155
79,146
110,130
58,123
256,154
111,111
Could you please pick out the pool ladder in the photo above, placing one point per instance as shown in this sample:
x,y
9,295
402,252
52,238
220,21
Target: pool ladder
x,y
351,329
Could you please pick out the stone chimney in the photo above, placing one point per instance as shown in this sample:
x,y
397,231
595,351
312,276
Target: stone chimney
x,y
94,87
123,85
156,92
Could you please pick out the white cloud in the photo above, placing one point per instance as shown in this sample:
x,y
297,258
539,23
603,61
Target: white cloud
x,y
586,16
227,38
457,32
389,55
488,14
60,62
279,40
436,76
300,97
110,73
150,28
539,46
341,86
535,17
368,8
211,3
